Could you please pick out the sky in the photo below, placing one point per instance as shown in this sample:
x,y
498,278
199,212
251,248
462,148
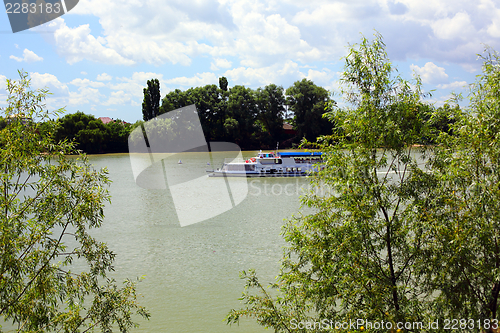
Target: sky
x,y
98,57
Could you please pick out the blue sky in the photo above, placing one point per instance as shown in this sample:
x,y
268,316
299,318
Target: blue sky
x,y
98,57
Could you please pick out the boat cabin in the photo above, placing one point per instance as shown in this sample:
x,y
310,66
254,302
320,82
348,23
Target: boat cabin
x,y
267,155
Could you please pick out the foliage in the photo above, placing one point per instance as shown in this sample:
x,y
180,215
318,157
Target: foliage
x,y
223,83
464,259
54,276
241,107
163,130
85,129
211,109
271,110
440,120
116,136
91,135
359,255
308,102
174,100
209,103
251,118
151,102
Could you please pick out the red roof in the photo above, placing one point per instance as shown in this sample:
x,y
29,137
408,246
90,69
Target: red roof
x,y
106,120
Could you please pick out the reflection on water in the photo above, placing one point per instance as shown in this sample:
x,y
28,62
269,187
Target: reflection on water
x,y
192,273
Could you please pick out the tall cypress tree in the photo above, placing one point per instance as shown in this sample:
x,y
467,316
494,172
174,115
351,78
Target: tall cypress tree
x,y
151,102
223,83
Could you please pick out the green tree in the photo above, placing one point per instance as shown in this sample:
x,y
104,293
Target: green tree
x,y
174,100
151,102
208,101
88,133
271,110
242,108
464,259
223,83
54,276
359,254
308,102
443,118
117,133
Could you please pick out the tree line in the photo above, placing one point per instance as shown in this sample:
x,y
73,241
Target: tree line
x,y
252,118
88,133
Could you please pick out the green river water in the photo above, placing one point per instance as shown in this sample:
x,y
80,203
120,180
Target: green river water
x,y
191,273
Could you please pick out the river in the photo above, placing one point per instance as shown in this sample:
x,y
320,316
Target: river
x,y
191,273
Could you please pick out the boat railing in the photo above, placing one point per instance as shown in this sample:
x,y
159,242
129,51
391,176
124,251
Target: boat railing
x,y
308,161
234,160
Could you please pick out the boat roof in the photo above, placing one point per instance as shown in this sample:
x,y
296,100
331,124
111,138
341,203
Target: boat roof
x,y
302,153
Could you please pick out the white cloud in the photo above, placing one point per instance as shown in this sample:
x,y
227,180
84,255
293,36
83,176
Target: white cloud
x,y
130,89
3,83
341,11
135,84
83,73
104,77
62,96
431,73
85,95
266,39
76,44
219,63
200,79
51,82
248,76
86,82
460,26
119,98
28,56
176,32
143,77
323,78
453,86
3,90
264,35
494,28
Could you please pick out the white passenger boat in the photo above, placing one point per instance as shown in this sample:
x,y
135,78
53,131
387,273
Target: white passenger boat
x,y
279,164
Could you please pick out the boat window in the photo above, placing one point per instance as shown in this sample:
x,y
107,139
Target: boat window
x,y
235,167
249,167
278,161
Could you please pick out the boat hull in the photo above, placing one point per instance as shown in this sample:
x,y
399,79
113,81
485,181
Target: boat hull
x,y
256,174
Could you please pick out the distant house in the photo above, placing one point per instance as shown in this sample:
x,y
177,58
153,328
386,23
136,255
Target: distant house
x,y
106,120
19,116
289,129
